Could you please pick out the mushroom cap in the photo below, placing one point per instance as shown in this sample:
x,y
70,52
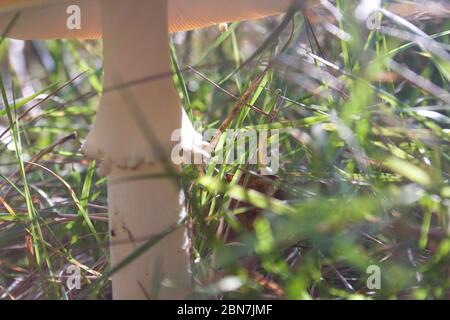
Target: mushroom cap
x,y
47,19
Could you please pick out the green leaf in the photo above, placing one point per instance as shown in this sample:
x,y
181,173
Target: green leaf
x,y
409,171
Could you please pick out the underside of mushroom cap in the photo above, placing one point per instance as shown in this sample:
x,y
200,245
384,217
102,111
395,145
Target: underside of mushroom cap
x,y
188,15
47,19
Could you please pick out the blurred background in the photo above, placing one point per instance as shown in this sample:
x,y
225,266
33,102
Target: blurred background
x,y
358,210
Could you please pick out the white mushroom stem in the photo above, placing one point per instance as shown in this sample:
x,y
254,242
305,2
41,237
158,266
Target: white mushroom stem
x,y
132,134
140,107
138,209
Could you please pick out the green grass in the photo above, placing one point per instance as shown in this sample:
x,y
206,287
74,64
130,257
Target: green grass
x,y
364,164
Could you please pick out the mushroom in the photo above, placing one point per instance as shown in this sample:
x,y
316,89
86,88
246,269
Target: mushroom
x,y
136,118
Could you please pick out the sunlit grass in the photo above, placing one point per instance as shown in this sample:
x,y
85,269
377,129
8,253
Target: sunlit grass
x,y
364,162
